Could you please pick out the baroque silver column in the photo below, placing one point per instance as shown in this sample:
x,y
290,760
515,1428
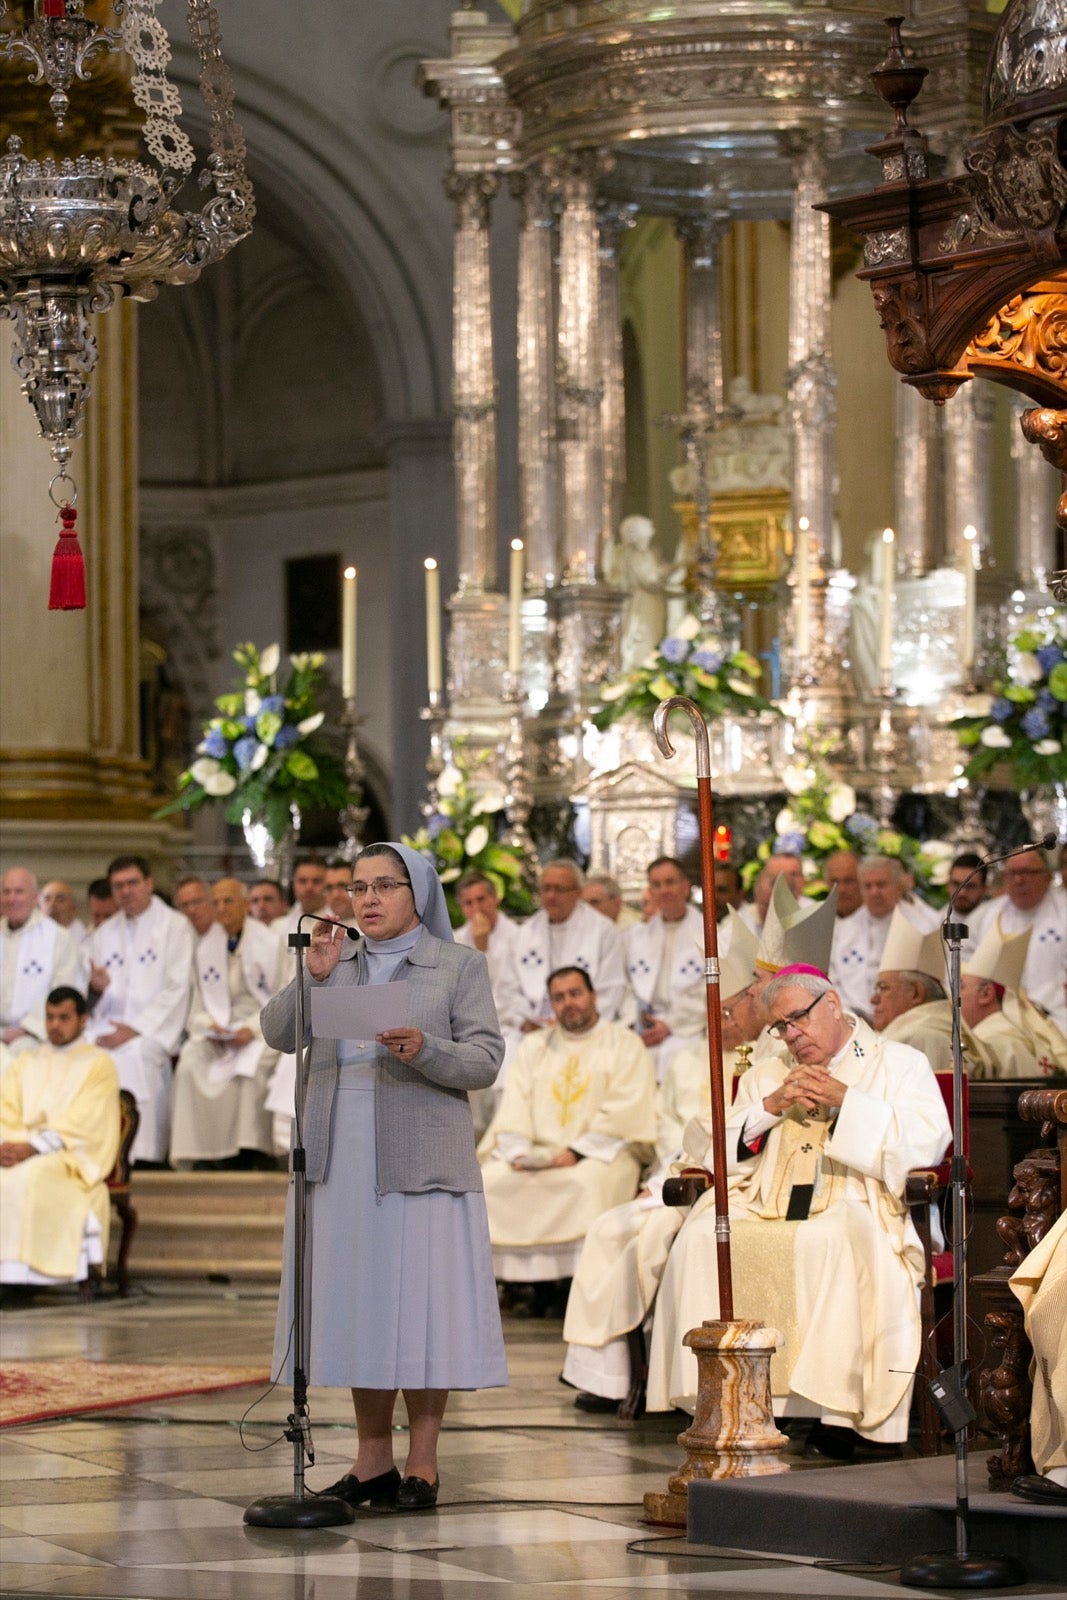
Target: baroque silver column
x,y
1035,503
580,386
702,238
538,488
916,437
968,428
474,398
615,218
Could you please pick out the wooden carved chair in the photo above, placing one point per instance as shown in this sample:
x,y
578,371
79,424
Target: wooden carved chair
x,y
118,1187
926,1189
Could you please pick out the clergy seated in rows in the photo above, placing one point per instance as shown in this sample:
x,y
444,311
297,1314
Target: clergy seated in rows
x,y
1032,899
819,1148
36,956
601,891
308,894
909,1001
564,933
729,892
789,867
338,881
966,888
59,1137
626,1249
57,901
576,1123
100,902
266,902
220,1117
142,967
1016,1039
487,928
665,965
192,897
859,939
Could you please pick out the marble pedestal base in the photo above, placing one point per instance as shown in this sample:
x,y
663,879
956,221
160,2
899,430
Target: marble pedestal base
x,y
733,1432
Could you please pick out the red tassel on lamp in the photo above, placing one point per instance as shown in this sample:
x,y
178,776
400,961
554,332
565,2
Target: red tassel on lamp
x,y
68,567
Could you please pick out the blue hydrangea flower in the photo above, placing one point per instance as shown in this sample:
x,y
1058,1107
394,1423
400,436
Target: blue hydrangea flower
x,y
248,722
216,744
860,826
710,660
274,702
1049,655
1002,709
286,737
244,750
1048,703
1035,723
436,823
790,844
674,650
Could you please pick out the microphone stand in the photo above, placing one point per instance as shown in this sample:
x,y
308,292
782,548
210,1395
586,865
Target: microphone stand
x,y
959,1568
299,1510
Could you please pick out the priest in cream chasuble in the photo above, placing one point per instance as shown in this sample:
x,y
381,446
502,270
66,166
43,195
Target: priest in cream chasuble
x,y
59,1136
575,1124
823,1246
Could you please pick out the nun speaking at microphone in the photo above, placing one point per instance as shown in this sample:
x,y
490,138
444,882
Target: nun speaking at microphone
x,y
401,1293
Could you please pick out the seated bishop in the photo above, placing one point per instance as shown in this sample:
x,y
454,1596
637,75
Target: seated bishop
x,y
1016,1040
823,1248
909,1002
625,1250
220,1084
575,1125
59,1137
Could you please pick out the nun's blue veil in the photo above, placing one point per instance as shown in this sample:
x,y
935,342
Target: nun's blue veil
x,y
426,887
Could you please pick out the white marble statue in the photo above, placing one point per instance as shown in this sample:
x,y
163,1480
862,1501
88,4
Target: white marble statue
x,y
632,565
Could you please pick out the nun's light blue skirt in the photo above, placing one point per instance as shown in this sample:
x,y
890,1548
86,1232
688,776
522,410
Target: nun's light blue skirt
x,y
401,1291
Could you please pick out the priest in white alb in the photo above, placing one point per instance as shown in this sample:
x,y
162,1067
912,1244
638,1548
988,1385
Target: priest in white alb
x,y
220,1082
59,1136
142,963
1033,899
1015,1038
823,1248
626,1249
564,933
575,1125
665,965
859,939
36,956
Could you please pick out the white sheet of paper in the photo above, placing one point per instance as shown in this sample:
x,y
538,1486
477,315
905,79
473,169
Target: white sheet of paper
x,y
358,1011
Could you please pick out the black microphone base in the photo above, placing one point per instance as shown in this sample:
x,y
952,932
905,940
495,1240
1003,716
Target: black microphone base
x,y
310,1511
947,1570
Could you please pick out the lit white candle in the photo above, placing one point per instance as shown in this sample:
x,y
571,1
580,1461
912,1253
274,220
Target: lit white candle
x,y
517,577
970,585
433,626
803,588
885,637
348,633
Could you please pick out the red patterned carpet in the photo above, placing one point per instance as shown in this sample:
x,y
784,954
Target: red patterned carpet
x,y
31,1391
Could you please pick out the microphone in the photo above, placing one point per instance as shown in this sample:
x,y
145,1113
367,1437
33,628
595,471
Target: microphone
x,y
1046,842
331,922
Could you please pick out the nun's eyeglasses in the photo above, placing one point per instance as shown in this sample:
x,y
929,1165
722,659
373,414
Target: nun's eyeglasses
x,y
380,886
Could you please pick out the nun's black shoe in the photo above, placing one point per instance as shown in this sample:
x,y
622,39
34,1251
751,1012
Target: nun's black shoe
x,y
415,1494
379,1491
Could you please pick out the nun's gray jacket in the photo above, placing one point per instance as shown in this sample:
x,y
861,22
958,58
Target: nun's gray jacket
x,y
424,1132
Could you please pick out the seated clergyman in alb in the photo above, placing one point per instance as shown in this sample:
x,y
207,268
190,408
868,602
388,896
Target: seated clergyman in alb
x,y
909,1002
626,1249
59,1136
823,1249
576,1121
1015,1038
220,1082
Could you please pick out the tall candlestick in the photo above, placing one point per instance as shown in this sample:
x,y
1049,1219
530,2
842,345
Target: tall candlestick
x,y
433,627
970,584
515,607
348,633
803,589
885,638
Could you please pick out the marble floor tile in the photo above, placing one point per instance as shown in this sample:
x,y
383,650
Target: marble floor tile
x,y
120,1518
43,1552
78,1491
462,1528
